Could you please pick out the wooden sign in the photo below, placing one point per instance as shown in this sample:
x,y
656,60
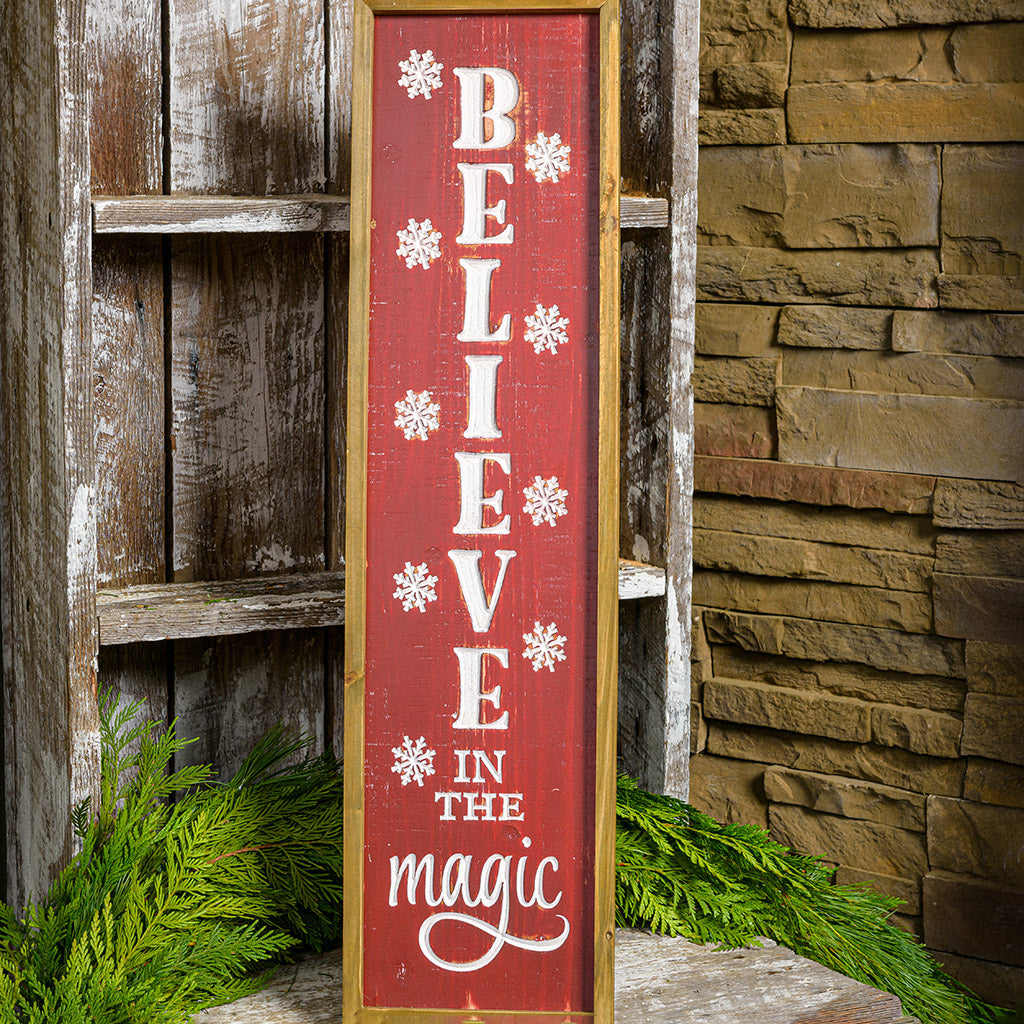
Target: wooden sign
x,y
482,513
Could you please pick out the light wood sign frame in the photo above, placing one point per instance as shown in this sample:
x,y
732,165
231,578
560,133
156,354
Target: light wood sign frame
x,y
482,512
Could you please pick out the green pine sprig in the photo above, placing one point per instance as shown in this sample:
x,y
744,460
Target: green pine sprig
x,y
680,872
187,891
171,907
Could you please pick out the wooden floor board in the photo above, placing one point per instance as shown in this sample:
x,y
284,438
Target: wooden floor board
x,y
658,980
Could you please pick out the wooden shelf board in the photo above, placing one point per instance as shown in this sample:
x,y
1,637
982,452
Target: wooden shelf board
x,y
638,580
191,214
179,611
658,980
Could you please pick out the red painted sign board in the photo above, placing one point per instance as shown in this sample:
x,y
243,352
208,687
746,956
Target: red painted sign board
x,y
482,504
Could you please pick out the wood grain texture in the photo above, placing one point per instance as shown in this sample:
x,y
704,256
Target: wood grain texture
x,y
124,91
637,580
247,407
246,116
247,436
128,389
659,111
247,96
47,499
128,328
197,214
679,513
188,214
230,691
178,611
658,980
340,43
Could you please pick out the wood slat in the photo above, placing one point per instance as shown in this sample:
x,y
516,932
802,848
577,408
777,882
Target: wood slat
x,y
659,151
47,500
189,610
658,980
176,611
196,214
246,108
128,330
637,580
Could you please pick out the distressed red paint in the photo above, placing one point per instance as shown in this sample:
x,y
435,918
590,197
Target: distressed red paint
x,y
545,406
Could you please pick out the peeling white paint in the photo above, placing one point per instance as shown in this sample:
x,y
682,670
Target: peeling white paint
x,y
81,550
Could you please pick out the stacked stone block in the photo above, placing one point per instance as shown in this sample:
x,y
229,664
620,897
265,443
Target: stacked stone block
x,y
859,509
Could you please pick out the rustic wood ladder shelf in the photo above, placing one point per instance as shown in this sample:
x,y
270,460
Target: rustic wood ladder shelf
x,y
194,214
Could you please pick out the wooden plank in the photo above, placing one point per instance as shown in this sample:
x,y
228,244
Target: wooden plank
x,y
125,121
175,611
659,156
178,611
658,980
196,214
643,212
128,384
124,91
47,499
637,580
246,116
663,979
336,255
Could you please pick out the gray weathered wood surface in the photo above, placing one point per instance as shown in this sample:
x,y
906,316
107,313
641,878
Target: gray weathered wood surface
x,y
128,331
176,611
246,116
659,157
47,494
658,980
192,214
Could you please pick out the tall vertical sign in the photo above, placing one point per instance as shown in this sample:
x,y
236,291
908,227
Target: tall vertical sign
x,y
482,513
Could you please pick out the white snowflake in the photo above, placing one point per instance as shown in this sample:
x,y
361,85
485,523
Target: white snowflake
x,y
546,329
418,243
547,157
420,74
413,761
416,414
544,646
415,587
545,500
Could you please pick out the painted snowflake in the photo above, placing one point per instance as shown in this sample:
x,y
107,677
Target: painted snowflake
x,y
547,157
418,243
546,329
415,587
544,646
413,761
420,74
545,500
416,414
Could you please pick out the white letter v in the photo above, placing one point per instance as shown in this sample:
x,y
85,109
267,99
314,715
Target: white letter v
x,y
467,565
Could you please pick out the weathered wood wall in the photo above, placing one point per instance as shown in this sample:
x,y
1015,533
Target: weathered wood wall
x,y
47,496
659,112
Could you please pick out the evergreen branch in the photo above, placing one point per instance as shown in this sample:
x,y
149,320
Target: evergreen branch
x,y
173,907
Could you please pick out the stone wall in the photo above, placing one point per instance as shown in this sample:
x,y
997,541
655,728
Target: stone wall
x,y
859,515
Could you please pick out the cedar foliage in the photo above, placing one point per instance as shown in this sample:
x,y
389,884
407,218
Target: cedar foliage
x,y
186,892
